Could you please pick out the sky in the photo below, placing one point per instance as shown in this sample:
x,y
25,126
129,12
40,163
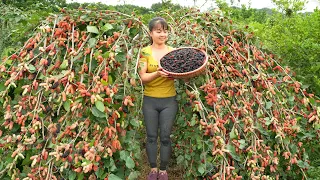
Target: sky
x,y
258,4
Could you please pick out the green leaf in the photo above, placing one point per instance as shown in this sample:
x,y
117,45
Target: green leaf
x,y
100,173
305,86
317,126
80,55
111,77
259,113
133,175
130,163
291,98
268,105
313,101
303,164
32,69
112,165
224,48
120,57
26,160
233,134
106,55
193,120
92,42
103,82
255,77
113,177
261,129
233,153
97,113
305,135
133,32
201,168
106,27
134,122
93,29
2,87
100,106
293,148
1,165
124,154
66,105
9,62
64,64
80,176
243,143
72,175
180,159
268,121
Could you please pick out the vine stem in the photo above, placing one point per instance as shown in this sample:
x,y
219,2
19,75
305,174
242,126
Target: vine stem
x,y
8,167
54,26
82,45
304,174
49,173
90,62
82,74
137,67
80,131
126,68
34,113
137,62
72,55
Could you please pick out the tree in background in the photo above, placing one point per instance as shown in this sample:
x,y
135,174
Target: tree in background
x,y
290,6
165,5
18,18
286,32
36,4
10,17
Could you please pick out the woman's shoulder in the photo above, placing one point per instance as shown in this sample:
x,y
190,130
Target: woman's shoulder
x,y
145,51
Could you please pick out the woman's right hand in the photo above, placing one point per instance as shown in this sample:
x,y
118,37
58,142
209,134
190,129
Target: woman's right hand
x,y
161,73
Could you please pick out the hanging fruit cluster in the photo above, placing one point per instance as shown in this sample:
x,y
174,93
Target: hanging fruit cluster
x,y
250,117
67,96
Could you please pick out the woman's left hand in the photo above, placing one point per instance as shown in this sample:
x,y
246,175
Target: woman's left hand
x,y
163,74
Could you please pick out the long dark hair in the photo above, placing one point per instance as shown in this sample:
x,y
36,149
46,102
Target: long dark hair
x,y
154,22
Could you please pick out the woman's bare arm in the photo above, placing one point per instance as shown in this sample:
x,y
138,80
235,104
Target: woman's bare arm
x,y
148,77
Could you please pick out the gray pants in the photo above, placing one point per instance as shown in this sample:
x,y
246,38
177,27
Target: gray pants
x,y
159,113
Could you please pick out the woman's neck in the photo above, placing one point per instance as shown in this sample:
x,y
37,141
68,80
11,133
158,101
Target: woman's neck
x,y
159,46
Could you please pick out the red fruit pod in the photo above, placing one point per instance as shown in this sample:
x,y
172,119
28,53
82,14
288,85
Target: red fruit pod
x,y
45,155
95,168
31,55
14,56
277,68
203,123
97,158
23,54
69,158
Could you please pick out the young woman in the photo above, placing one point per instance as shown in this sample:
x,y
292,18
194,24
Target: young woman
x,y
159,101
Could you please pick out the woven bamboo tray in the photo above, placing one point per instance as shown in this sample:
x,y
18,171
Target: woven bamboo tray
x,y
190,74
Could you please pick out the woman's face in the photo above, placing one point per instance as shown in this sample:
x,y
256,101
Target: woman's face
x,y
159,35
